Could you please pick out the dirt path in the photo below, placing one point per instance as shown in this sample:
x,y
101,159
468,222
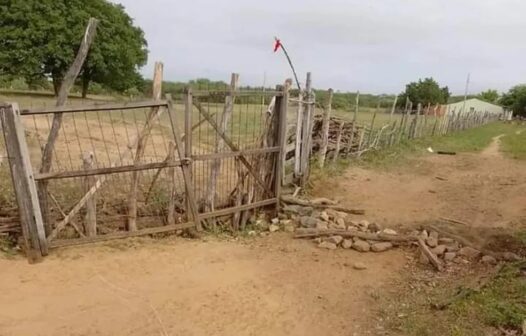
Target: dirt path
x,y
262,286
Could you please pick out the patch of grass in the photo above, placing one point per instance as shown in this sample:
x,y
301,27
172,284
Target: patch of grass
x,y
514,144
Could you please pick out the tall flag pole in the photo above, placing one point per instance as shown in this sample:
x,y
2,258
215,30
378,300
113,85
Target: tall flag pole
x,y
279,45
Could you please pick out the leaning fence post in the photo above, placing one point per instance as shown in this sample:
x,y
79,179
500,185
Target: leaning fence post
x,y
355,116
282,106
325,129
24,184
338,142
308,116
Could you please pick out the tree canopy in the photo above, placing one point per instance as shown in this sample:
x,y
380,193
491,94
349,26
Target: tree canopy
x,y
491,96
515,99
40,39
426,91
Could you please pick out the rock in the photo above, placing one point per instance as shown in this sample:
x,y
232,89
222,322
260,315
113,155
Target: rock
x,y
252,233
424,235
373,227
453,247
324,216
433,234
488,260
381,247
308,222
346,244
340,222
322,225
263,234
449,256
262,224
327,245
289,227
432,242
305,211
446,241
317,240
389,232
361,246
423,259
359,266
439,250
273,228
334,239
315,214
275,221
469,252
363,224
293,209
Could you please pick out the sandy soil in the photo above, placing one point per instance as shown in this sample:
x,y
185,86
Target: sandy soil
x,y
260,286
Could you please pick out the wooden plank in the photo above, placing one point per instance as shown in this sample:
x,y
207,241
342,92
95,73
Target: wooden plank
x,y
298,140
141,146
23,183
245,152
108,170
325,130
229,211
189,188
306,146
282,110
96,107
233,147
224,93
188,107
67,83
120,235
90,218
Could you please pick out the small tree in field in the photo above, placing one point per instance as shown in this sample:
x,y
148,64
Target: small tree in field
x,y
491,96
40,38
515,99
426,91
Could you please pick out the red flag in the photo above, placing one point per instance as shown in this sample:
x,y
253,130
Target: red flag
x,y
277,45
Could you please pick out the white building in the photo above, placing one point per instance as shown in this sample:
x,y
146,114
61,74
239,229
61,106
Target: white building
x,y
474,105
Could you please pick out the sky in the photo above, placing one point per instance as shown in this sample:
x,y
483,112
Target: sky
x,y
375,46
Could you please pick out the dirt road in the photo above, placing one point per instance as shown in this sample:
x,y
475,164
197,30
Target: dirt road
x,y
260,286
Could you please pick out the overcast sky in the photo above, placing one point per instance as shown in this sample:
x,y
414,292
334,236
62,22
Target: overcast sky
x,y
371,46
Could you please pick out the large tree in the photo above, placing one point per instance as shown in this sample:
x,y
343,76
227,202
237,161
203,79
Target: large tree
x,y
39,39
515,99
426,91
491,96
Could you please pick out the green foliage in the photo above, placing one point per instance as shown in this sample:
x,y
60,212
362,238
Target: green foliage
x,y
514,144
40,39
426,91
491,96
515,99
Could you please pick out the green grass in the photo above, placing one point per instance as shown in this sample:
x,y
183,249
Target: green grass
x,y
514,144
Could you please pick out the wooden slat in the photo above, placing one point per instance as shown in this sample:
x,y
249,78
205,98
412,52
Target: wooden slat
x,y
281,139
238,93
120,235
246,152
229,211
97,107
108,170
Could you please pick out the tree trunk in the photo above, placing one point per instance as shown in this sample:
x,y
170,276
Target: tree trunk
x,y
57,82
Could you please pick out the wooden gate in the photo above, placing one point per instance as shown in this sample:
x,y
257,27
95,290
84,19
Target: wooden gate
x,y
125,169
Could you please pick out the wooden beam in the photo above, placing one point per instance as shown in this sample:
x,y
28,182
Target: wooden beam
x,y
96,107
229,211
23,183
245,152
281,118
108,170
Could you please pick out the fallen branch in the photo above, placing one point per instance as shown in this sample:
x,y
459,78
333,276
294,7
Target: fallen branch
x,y
452,220
430,255
314,233
446,153
318,203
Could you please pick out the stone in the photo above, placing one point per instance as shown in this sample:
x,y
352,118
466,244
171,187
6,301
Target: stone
x,y
322,225
262,224
423,259
293,209
432,242
446,241
327,245
453,247
340,222
439,250
305,211
273,228
334,239
324,216
289,227
373,227
363,223
488,260
308,222
252,233
469,252
317,240
361,246
424,235
346,244
359,266
389,232
315,214
381,247
510,256
433,234
275,221
449,256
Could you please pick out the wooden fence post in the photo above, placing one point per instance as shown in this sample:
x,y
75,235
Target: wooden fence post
x,y
90,224
355,116
141,144
338,142
25,188
282,108
308,115
325,129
